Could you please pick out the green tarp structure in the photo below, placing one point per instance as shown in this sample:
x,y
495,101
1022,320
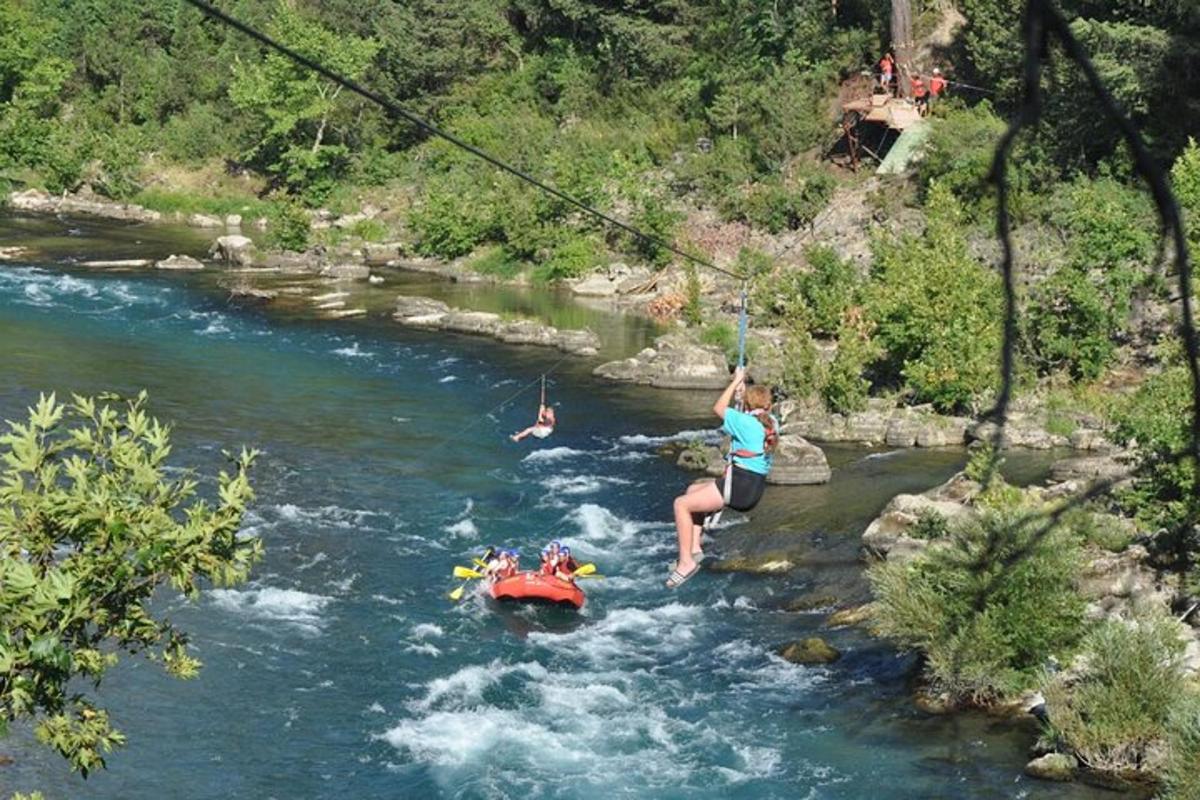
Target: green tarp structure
x,y
906,149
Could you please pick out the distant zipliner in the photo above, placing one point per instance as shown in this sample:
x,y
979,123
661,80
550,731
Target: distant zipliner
x,y
545,420
754,434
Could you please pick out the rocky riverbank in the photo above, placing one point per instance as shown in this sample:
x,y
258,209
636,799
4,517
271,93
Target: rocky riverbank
x,y
1119,580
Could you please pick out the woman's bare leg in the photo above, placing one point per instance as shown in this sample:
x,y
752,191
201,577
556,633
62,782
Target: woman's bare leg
x,y
516,437
703,500
697,519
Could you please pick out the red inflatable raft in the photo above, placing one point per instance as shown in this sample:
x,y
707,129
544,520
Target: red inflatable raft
x,y
536,587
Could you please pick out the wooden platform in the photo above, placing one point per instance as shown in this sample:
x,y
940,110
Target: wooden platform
x,y
896,113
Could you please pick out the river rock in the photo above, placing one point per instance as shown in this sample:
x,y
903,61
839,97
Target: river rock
x,y
381,254
798,462
347,272
1118,583
902,430
888,534
1021,431
180,262
425,312
14,252
83,202
204,221
855,615
813,650
1088,469
766,564
1053,767
233,220
942,432
675,362
596,286
234,249
813,601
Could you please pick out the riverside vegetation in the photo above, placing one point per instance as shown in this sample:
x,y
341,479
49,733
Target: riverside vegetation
x,y
609,101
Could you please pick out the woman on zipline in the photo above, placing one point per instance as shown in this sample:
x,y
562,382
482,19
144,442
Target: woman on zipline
x,y
754,434
545,420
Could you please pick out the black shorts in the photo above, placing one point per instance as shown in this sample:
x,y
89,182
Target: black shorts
x,y
747,489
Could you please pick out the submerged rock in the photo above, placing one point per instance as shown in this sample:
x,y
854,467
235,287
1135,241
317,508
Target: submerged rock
x,y
813,650
770,564
855,615
810,602
1053,767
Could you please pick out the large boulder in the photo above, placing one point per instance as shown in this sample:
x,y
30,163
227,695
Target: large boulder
x,y
180,263
675,362
233,249
383,253
798,462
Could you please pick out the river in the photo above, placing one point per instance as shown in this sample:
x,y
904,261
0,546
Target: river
x,y
342,669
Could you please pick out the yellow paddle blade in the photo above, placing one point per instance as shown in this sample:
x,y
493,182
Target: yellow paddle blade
x,y
585,569
466,573
479,562
457,594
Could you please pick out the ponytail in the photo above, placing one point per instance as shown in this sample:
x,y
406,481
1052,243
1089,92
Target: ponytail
x,y
758,400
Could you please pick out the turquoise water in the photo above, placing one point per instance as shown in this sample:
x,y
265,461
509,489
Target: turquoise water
x,y
343,671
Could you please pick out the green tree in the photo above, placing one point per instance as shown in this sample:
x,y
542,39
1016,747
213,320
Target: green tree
x,y
303,119
90,527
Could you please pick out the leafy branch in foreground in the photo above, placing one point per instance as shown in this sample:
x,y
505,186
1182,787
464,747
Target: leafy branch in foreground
x,y
91,524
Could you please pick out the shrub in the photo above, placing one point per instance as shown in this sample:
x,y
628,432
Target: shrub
x,y
448,224
570,259
937,310
369,230
844,385
930,525
1069,324
985,606
1182,779
497,261
290,226
1114,711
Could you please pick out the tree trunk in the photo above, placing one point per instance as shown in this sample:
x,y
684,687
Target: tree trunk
x,y
902,44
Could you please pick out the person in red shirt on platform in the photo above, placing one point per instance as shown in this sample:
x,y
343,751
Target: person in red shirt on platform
x,y
887,68
937,85
920,94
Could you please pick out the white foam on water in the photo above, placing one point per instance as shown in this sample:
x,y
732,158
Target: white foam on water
x,y
708,436
427,630
353,351
464,528
321,516
466,686
423,648
448,379
552,454
317,559
289,606
580,484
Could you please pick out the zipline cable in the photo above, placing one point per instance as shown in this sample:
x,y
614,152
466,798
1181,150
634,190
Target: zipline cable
x,y
429,127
